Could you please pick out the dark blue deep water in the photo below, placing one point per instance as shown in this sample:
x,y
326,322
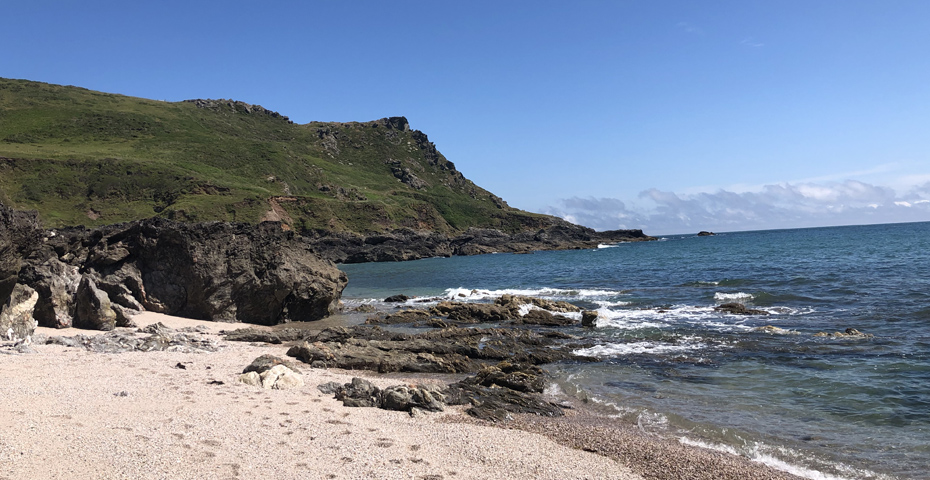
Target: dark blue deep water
x,y
820,407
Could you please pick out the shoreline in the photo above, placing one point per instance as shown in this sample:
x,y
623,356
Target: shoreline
x,y
66,415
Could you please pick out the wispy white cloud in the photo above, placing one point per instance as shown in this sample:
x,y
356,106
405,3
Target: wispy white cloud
x,y
784,205
749,42
689,28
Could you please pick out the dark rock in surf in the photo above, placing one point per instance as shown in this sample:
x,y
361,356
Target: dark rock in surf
x,y
589,318
706,234
396,299
739,309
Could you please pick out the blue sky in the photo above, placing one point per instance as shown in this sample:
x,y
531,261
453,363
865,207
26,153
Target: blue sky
x,y
671,116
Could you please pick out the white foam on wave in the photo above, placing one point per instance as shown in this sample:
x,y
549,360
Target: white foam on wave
x,y
732,297
756,454
607,245
634,348
551,293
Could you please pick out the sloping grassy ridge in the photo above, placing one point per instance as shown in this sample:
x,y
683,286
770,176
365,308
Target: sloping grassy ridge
x,y
81,157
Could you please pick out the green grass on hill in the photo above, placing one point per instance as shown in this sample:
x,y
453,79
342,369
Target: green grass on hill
x,y
81,157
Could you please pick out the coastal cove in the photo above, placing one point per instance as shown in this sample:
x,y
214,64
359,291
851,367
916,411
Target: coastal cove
x,y
819,406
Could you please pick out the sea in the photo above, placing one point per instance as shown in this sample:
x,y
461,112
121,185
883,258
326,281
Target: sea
x,y
820,407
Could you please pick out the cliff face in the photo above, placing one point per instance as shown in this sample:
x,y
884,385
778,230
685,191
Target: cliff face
x,y
98,278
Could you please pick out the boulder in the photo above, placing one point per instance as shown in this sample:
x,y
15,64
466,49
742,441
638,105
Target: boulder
x,y
92,309
16,320
279,377
589,318
405,398
396,299
267,362
359,393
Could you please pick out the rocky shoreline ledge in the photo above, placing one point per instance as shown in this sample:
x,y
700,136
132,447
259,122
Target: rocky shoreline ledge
x,y
259,274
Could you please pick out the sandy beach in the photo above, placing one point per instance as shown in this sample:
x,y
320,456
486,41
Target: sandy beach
x,y
69,413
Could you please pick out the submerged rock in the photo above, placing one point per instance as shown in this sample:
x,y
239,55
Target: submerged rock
x,y
850,333
774,330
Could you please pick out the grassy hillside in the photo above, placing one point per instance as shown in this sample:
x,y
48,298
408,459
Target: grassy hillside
x,y
81,157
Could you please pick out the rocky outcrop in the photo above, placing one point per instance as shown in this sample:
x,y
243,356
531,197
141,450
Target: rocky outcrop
x,y
493,394
406,244
19,237
16,320
213,271
153,338
448,350
706,234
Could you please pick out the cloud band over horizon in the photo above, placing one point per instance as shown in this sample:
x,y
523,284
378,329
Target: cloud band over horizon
x,y
774,206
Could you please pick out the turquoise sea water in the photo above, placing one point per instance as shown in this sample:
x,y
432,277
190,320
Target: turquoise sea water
x,y
819,407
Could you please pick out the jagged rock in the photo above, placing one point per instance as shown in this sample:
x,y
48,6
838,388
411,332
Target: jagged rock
x,y
214,271
739,309
92,308
543,317
515,376
515,302
19,237
359,393
703,233
589,318
473,312
492,396
56,282
267,362
396,298
16,320
380,357
450,350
